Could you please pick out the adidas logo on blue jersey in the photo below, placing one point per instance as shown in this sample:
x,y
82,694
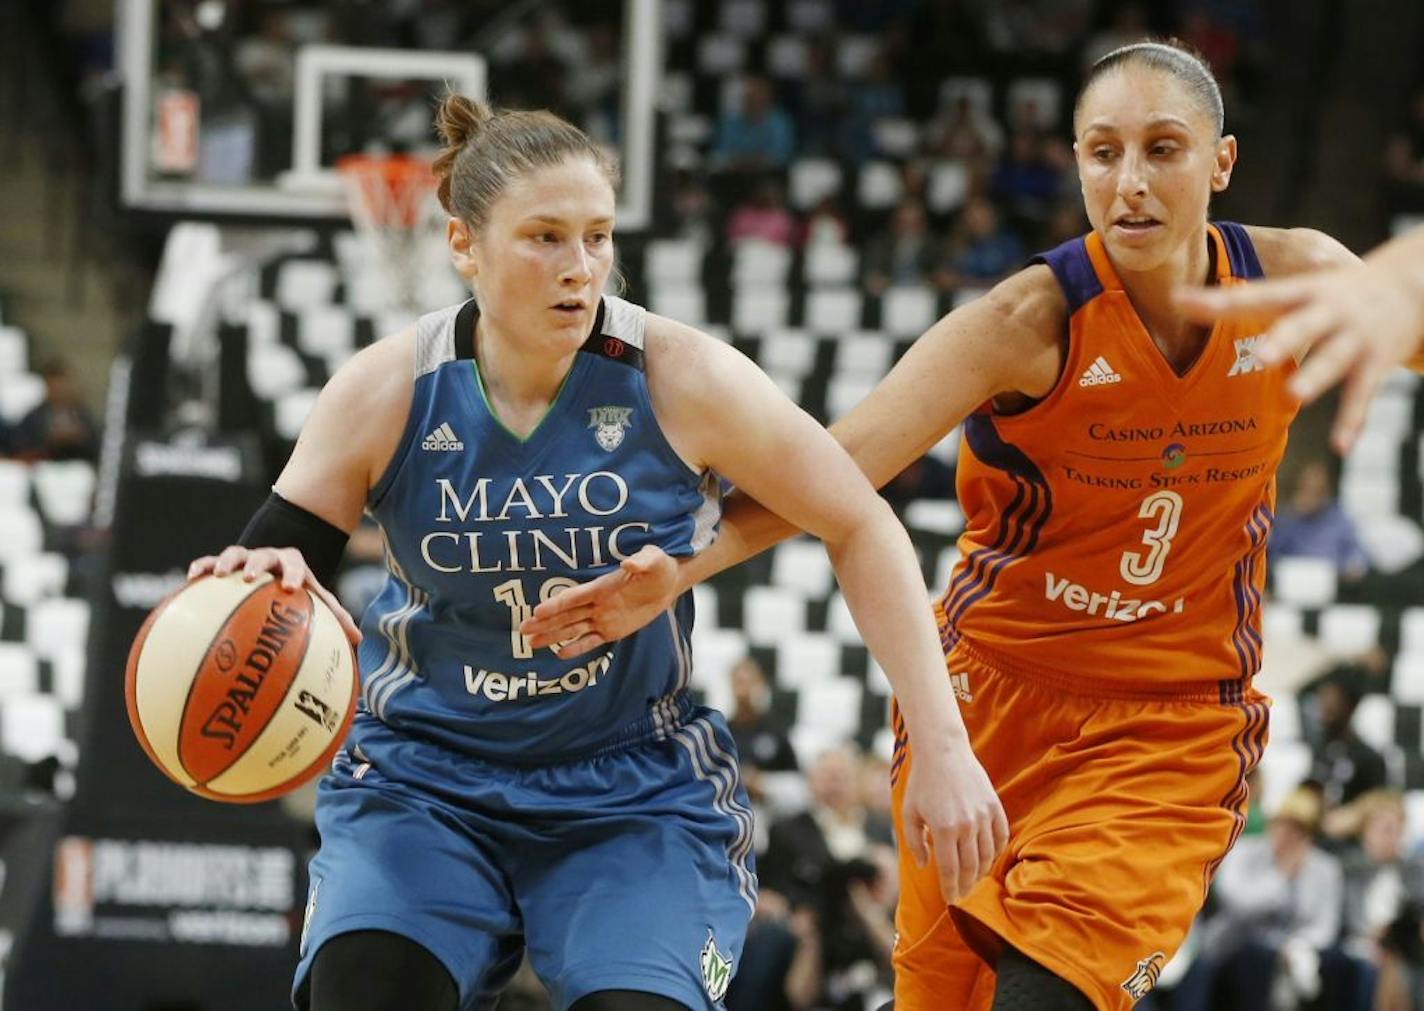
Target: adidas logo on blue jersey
x,y
443,439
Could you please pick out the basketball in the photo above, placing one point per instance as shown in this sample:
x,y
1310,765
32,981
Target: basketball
x,y
239,691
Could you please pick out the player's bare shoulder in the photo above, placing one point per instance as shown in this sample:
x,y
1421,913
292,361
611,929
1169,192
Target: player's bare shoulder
x,y
1286,251
1022,322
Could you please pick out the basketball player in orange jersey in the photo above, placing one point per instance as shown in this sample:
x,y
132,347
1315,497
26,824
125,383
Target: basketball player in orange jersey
x,y
1102,627
1358,321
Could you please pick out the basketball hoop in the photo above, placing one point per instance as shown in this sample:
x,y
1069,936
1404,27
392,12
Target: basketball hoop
x,y
393,206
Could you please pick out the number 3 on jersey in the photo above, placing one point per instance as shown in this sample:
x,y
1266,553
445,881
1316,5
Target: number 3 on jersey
x,y
1143,567
511,592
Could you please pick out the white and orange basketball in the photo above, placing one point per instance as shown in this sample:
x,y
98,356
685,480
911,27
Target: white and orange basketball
x,y
239,691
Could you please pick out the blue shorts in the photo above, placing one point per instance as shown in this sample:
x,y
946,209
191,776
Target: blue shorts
x,y
628,870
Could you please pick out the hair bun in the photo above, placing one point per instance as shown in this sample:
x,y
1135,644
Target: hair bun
x,y
459,118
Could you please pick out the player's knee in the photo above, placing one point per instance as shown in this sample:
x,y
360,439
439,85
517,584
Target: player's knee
x,y
626,1000
375,970
1024,985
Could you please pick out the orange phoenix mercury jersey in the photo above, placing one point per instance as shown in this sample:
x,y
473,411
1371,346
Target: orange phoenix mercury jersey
x,y
1116,531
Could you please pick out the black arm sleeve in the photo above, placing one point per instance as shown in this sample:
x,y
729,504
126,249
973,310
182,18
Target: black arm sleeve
x,y
278,523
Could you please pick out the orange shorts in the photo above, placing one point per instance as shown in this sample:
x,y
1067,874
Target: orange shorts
x,y
1121,803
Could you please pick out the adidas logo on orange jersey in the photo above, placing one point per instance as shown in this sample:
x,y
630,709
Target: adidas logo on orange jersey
x,y
1100,373
443,439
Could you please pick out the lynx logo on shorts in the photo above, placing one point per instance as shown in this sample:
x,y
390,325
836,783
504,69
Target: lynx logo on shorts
x,y
1246,360
716,969
1145,978
608,424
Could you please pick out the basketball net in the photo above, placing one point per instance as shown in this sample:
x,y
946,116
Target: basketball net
x,y
393,206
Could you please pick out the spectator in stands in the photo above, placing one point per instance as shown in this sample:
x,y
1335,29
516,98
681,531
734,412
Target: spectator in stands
x,y
756,138
1029,177
903,253
1404,161
762,744
1400,982
780,968
816,857
875,96
60,427
693,209
1313,525
1278,903
534,79
965,132
818,99
594,79
981,251
1343,766
1380,881
764,216
825,223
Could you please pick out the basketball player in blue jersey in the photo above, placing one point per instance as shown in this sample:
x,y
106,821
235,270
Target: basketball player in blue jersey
x,y
493,798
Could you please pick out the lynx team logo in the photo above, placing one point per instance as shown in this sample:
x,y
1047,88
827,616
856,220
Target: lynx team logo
x,y
716,970
1145,978
608,424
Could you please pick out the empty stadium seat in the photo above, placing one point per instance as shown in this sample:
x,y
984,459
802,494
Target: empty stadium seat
x,y
325,330
757,309
757,262
720,54
686,303
830,709
1374,721
714,651
673,261
1392,542
21,533
304,283
292,410
1305,582
811,180
65,491
56,624
19,392
948,186
770,612
1281,622
839,621
264,323
786,56
908,310
19,672
273,370
1285,718
1283,767
14,357
67,668
941,516
863,356
803,565
1411,629
830,263
788,351
879,186
32,726
1407,681
805,660
1348,630
744,18
14,483
33,577
844,392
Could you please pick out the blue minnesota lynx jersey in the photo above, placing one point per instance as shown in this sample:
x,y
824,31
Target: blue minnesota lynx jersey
x,y
481,526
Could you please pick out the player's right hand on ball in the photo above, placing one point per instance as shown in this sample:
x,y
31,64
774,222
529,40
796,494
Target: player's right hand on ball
x,y
952,814
288,567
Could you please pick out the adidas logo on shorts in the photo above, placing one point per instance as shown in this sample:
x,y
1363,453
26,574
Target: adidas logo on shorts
x,y
443,439
1100,373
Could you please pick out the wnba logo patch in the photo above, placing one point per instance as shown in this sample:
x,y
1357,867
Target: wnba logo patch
x,y
716,969
1141,982
608,424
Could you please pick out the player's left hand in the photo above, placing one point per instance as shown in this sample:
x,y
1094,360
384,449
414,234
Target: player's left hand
x,y
952,813
1356,323
610,607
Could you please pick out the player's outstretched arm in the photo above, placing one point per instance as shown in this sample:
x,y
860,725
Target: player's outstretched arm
x,y
1351,321
722,413
1005,341
323,487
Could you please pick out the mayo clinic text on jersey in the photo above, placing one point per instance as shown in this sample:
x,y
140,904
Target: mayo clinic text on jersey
x,y
600,494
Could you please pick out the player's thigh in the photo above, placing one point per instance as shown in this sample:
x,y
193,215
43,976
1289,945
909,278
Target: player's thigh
x,y
653,890
394,860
